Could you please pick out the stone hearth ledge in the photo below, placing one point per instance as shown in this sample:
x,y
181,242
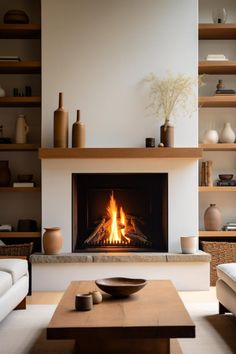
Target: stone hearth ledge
x,y
133,257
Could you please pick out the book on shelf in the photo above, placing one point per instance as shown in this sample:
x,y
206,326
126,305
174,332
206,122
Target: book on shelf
x,y
226,91
23,184
231,183
216,57
9,58
206,174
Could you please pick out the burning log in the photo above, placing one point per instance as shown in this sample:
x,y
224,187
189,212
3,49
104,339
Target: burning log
x,y
94,233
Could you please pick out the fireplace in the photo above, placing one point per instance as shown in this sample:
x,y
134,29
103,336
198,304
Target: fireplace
x,y
114,212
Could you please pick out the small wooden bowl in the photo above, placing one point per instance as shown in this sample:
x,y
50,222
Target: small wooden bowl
x,y
120,287
226,177
15,16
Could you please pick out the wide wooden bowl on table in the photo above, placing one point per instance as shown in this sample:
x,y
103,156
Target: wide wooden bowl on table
x,y
120,286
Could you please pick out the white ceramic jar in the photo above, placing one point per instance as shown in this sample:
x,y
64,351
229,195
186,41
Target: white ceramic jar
x,y
211,137
227,135
22,129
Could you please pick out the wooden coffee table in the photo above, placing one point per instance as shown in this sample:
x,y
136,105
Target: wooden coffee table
x,y
144,323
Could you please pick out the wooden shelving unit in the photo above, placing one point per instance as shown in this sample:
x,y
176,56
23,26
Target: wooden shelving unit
x,y
217,101
16,234
218,189
19,147
217,31
19,189
227,67
21,67
72,153
217,234
11,101
218,147
20,31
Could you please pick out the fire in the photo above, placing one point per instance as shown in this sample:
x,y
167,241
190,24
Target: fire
x,y
118,224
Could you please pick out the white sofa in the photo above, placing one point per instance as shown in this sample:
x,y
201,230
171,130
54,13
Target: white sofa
x,y
14,284
226,287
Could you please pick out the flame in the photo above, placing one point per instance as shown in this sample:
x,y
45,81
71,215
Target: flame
x,y
117,228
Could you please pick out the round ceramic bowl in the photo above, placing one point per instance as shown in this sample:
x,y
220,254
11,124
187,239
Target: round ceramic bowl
x,y
226,177
120,287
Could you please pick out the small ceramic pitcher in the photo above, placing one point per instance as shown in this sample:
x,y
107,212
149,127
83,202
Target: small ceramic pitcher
x,y
22,129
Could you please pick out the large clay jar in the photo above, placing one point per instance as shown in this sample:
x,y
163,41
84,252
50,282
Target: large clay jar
x,y
60,125
78,133
5,174
22,129
227,135
212,218
167,135
52,240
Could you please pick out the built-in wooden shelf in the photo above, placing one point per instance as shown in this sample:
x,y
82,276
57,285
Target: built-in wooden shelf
x,y
218,147
20,189
15,234
217,31
21,67
19,147
217,233
217,189
28,31
217,67
75,153
217,101
11,101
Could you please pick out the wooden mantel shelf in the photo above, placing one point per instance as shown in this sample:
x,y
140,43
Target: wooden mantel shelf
x,y
83,153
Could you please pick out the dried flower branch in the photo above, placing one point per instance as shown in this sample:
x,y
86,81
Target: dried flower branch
x,y
171,96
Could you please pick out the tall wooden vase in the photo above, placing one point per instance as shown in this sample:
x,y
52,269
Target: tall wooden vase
x,y
167,135
78,133
60,125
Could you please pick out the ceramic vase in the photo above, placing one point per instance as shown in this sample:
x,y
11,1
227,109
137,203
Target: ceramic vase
x,y
52,240
22,129
167,135
2,92
227,135
78,133
5,174
212,218
189,244
211,137
60,125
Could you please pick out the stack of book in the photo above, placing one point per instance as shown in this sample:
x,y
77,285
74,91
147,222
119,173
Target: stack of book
x,y
23,184
11,58
216,57
230,226
225,92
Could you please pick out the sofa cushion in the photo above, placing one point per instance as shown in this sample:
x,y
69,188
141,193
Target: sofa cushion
x,y
227,272
15,267
5,282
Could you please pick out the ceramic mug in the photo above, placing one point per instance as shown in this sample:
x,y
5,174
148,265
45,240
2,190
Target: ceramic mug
x,y
189,244
83,302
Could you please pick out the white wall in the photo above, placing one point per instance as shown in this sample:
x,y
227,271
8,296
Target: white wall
x,y
98,52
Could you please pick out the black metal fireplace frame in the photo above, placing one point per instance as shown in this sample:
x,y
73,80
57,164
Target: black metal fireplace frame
x,y
154,184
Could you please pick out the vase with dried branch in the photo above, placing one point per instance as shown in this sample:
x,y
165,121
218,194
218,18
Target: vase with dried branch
x,y
171,97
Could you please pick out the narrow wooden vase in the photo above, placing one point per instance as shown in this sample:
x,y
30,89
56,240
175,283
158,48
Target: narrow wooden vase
x,y
52,240
60,125
5,174
167,135
78,133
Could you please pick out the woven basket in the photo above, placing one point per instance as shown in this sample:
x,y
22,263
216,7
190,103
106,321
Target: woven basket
x,y
24,249
221,252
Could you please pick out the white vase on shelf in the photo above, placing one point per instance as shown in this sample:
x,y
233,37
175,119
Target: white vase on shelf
x,y
227,135
211,137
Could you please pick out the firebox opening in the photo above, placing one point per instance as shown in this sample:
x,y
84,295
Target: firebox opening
x,y
119,212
